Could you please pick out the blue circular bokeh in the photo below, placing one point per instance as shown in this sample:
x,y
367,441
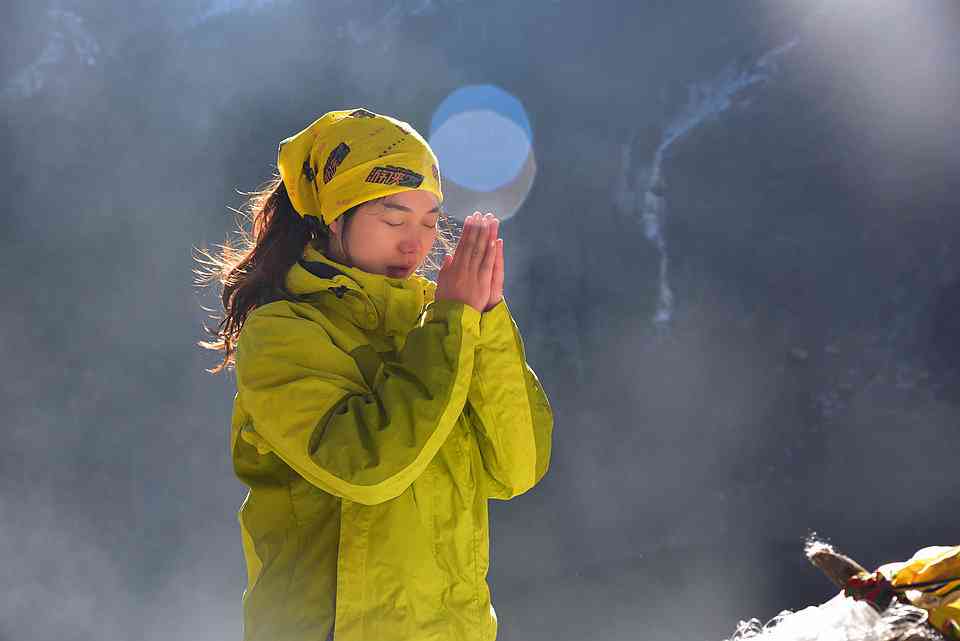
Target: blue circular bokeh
x,y
482,137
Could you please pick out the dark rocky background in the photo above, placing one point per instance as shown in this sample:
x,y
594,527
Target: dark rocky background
x,y
808,378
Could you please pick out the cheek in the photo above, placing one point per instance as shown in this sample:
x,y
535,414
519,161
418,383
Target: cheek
x,y
370,240
377,230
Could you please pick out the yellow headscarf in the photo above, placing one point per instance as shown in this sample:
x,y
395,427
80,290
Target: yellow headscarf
x,y
345,158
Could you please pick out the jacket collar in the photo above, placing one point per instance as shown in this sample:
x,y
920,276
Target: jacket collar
x,y
372,301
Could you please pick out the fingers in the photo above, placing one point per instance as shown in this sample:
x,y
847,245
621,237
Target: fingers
x,y
497,283
474,273
465,247
489,250
475,244
476,250
462,249
476,240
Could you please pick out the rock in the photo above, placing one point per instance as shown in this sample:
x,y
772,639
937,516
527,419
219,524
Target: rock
x,y
837,567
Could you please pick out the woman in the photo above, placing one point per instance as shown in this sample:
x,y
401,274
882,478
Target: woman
x,y
376,411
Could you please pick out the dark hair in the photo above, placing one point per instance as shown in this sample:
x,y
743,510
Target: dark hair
x,y
252,272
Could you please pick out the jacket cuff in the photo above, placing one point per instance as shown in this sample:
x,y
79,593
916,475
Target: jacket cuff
x,y
451,310
496,324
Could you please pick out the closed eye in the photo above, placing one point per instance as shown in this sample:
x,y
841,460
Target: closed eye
x,y
401,225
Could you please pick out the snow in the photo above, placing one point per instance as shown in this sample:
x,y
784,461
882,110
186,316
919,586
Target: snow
x,y
839,619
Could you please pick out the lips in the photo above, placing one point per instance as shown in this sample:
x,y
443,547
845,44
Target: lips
x,y
398,272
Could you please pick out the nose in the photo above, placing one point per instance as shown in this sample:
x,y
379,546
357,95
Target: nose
x,y
410,246
410,243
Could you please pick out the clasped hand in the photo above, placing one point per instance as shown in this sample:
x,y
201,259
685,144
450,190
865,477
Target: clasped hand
x,y
474,274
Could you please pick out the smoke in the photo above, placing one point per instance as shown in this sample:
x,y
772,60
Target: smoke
x,y
687,464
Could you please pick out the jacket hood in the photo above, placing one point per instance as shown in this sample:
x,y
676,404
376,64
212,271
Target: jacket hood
x,y
370,300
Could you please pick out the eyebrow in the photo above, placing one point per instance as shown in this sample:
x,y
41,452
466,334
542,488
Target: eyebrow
x,y
435,210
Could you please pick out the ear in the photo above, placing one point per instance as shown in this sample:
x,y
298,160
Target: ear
x,y
335,226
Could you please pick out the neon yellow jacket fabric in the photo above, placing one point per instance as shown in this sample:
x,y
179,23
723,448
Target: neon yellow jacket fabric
x,y
371,424
931,580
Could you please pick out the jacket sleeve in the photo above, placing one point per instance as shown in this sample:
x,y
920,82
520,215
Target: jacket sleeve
x,y
307,401
508,409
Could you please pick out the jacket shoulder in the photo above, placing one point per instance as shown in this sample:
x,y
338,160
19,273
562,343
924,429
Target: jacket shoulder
x,y
285,320
284,308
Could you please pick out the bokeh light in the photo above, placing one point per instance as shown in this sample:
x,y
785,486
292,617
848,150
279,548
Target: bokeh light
x,y
483,139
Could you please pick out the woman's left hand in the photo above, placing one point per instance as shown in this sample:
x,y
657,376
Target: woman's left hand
x,y
496,283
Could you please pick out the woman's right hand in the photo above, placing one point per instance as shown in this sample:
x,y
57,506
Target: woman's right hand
x,y
466,276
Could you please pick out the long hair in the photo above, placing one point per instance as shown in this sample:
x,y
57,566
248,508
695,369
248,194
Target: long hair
x,y
272,237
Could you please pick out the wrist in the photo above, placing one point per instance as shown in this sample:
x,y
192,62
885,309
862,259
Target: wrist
x,y
493,304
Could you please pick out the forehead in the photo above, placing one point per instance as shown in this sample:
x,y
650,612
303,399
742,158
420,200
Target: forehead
x,y
415,200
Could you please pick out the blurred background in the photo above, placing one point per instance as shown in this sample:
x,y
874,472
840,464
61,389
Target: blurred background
x,y
732,247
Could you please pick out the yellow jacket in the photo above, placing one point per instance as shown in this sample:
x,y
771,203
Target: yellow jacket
x,y
930,579
372,424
